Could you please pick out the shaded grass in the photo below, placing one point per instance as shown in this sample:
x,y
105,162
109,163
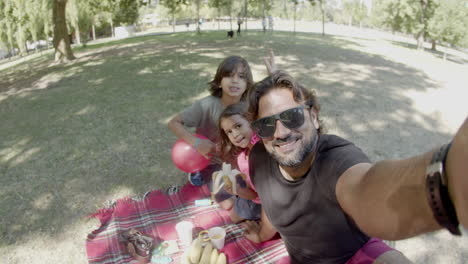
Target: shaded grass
x,y
76,135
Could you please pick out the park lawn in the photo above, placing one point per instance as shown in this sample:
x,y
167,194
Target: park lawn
x,y
74,136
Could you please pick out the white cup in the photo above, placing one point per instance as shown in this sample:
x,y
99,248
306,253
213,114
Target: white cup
x,y
184,230
217,236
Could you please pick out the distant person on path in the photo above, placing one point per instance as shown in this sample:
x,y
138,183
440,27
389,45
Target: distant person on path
x,y
327,200
264,24
270,22
239,23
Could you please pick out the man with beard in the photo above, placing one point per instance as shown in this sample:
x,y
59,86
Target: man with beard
x,y
325,198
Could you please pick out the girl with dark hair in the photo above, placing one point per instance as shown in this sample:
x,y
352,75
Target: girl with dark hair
x,y
237,138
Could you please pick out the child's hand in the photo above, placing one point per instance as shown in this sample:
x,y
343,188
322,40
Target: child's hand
x,y
205,147
270,63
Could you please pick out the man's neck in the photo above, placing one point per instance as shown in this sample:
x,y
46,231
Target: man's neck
x,y
297,172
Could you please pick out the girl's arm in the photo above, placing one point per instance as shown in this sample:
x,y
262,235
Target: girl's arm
x,y
176,125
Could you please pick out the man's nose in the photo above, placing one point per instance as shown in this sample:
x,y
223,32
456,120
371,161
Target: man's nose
x,y
281,131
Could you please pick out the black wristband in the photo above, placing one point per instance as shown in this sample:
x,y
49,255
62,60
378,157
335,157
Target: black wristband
x,y
437,192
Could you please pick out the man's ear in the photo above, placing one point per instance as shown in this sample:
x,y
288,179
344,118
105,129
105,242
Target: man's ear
x,y
314,118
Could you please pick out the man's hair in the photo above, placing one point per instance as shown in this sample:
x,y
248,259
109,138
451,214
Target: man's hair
x,y
282,80
228,151
226,68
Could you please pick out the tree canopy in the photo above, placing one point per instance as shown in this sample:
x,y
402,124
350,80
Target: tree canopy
x,y
27,22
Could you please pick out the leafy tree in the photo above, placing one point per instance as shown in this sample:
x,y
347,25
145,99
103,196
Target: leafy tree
x,y
174,6
219,5
126,12
449,23
411,16
47,24
63,51
21,19
7,25
322,11
34,22
355,10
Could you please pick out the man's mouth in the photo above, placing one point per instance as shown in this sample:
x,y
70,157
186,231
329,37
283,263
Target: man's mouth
x,y
287,146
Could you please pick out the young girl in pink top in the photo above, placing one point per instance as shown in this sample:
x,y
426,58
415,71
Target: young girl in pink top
x,y
237,139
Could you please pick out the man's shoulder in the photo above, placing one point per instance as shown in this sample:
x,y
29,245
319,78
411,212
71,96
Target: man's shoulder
x,y
335,149
329,142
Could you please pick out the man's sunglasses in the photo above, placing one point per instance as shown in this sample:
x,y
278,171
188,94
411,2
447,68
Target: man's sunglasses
x,y
291,118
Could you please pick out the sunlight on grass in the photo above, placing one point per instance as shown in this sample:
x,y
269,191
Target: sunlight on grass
x,y
87,110
119,192
24,156
9,153
215,55
93,63
43,202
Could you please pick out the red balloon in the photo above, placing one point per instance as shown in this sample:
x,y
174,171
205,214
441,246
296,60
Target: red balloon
x,y
188,159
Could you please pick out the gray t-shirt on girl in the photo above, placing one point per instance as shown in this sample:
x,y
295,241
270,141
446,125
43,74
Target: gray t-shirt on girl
x,y
203,115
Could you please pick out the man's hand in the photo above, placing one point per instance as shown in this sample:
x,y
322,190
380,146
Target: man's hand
x,y
270,63
252,231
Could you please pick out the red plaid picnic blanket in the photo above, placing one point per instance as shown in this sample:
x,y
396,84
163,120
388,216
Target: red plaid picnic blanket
x,y
156,215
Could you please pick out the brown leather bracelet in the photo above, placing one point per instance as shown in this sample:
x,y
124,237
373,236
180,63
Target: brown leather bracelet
x,y
437,192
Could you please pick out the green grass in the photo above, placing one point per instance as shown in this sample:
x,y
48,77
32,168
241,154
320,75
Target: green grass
x,y
76,135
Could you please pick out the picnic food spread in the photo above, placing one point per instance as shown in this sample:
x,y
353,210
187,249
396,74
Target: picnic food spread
x,y
204,254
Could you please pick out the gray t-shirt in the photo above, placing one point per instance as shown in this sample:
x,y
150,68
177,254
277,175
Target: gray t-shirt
x,y
203,115
306,212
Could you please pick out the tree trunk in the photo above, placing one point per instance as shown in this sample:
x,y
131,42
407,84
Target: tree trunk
x,y
424,23
245,14
219,18
77,34
198,16
47,40
230,15
420,40
173,21
63,51
112,28
433,47
295,11
94,32
323,17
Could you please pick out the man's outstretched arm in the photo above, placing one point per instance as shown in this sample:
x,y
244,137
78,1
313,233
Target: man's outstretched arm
x,y
388,199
